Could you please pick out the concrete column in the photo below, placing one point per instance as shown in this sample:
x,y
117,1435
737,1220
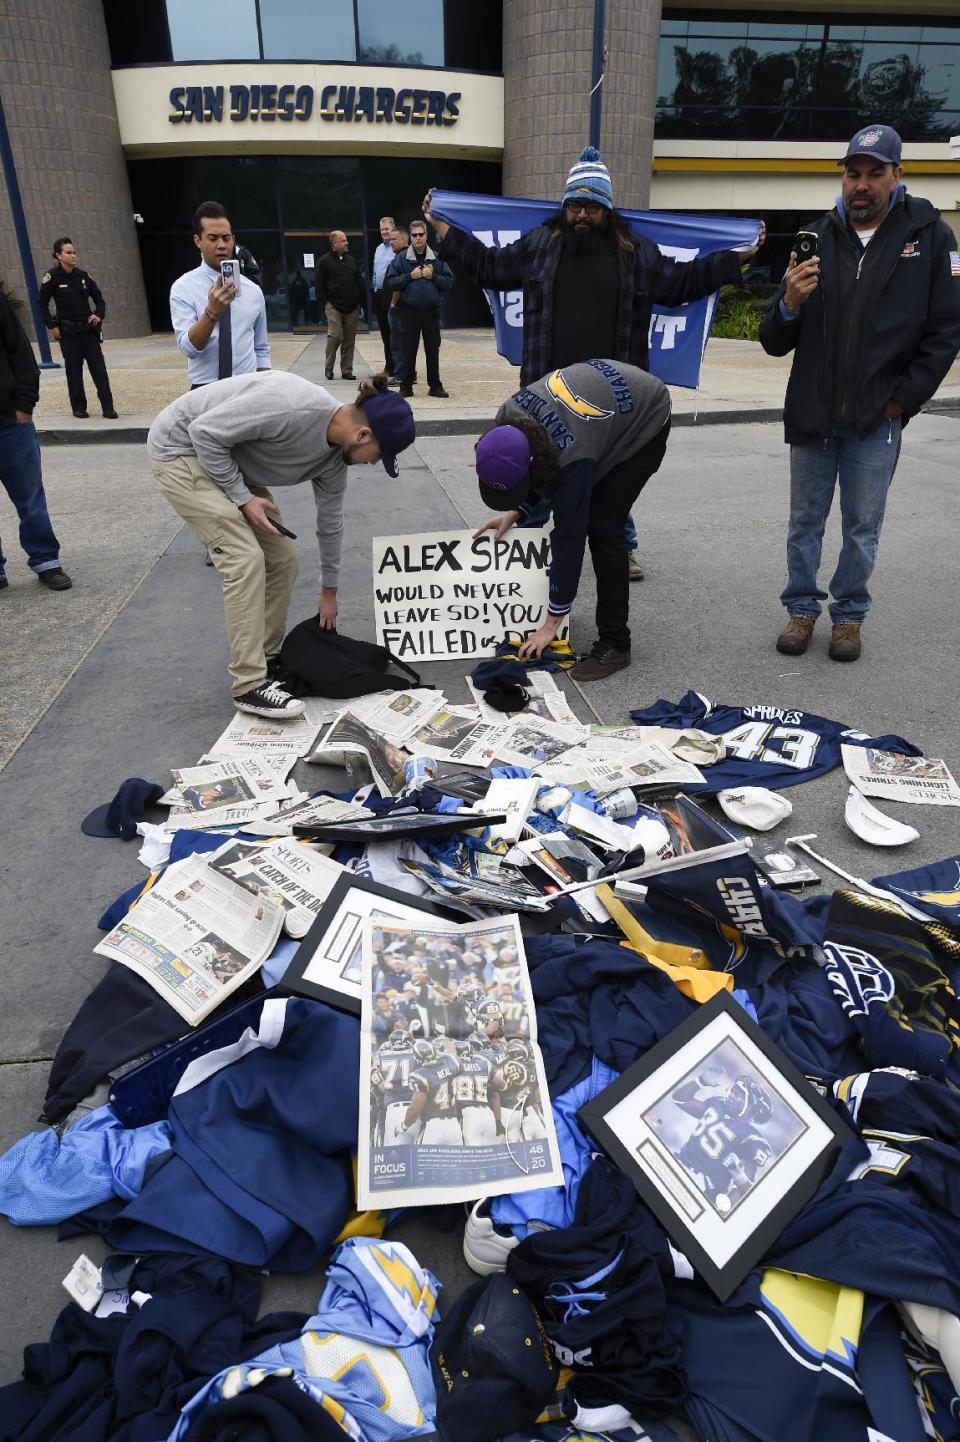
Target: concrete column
x,y
547,71
58,98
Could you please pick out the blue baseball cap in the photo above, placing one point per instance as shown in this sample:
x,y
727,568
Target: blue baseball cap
x,y
503,467
119,817
879,142
391,421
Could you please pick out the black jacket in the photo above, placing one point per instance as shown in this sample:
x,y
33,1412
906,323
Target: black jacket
x,y
419,294
647,278
19,372
70,295
903,339
338,281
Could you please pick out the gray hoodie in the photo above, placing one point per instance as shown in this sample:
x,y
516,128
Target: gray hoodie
x,y
268,429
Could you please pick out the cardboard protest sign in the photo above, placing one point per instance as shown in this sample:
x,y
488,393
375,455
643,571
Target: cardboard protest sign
x,y
451,593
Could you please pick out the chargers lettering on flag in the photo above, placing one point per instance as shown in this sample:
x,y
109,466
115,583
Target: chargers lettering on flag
x,y
678,334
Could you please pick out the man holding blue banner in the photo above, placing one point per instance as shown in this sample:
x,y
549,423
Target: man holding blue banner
x,y
589,281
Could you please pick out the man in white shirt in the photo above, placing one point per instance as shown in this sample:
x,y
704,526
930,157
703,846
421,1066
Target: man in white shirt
x,y
222,330
382,257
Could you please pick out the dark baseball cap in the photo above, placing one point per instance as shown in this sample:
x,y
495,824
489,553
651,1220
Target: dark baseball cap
x,y
503,465
391,421
495,1370
119,817
879,142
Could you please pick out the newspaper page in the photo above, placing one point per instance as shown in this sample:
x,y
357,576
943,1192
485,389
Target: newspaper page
x,y
900,778
288,874
531,741
195,936
257,736
236,782
643,766
455,733
546,700
397,714
305,810
453,1096
350,736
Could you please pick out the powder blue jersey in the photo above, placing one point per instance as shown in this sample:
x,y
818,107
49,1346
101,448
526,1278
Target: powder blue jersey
x,y
769,746
364,1355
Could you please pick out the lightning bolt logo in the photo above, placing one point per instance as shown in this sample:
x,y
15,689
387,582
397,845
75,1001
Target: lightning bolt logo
x,y
558,388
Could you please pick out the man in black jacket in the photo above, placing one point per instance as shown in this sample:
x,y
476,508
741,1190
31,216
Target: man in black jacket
x,y
874,324
71,291
20,454
340,291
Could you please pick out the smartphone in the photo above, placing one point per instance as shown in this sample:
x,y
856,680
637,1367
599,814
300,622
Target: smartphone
x,y
282,529
230,273
806,246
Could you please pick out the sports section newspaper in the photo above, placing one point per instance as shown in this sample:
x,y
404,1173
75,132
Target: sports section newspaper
x,y
453,1097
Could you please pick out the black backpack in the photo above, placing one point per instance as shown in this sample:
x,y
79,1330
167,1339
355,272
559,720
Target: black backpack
x,y
326,663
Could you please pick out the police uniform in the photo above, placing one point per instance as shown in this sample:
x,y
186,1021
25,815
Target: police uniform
x,y
70,294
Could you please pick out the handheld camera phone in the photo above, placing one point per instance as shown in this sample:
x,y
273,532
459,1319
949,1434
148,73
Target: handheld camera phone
x,y
230,274
806,246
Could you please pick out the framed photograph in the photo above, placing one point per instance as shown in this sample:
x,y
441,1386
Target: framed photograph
x,y
722,1136
327,964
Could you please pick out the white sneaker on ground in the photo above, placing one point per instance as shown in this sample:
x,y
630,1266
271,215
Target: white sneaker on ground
x,y
486,1246
271,699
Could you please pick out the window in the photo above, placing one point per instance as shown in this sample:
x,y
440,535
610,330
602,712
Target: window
x,y
308,30
401,32
771,81
230,34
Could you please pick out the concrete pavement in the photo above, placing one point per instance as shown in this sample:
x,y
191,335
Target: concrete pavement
x,y
125,675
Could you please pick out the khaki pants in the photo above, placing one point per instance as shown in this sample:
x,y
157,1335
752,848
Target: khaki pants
x,y
258,570
342,334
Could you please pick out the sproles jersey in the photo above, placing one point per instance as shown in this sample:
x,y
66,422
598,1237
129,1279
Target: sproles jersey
x,y
769,746
395,1068
472,1085
438,1080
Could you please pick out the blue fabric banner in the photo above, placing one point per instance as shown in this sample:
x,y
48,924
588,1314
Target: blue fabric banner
x,y
677,336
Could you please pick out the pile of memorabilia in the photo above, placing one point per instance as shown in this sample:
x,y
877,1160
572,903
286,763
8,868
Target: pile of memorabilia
x,y
701,1117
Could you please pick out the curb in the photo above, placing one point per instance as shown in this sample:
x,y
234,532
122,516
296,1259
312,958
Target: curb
x,y
459,425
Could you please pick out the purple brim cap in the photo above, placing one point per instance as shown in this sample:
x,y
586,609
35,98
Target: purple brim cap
x,y
391,421
503,467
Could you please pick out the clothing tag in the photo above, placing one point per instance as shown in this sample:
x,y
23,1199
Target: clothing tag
x,y
83,1283
116,1300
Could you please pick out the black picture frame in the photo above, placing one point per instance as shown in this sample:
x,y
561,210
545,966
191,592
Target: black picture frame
x,y
689,1210
333,913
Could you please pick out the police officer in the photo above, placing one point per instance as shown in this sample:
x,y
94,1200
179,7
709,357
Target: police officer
x,y
70,291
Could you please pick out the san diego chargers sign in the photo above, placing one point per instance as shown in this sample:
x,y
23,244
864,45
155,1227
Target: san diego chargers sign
x,y
338,104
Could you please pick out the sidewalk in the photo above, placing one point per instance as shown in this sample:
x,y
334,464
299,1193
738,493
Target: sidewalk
x,y
739,384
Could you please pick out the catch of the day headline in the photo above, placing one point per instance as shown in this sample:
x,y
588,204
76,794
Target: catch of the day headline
x,y
453,593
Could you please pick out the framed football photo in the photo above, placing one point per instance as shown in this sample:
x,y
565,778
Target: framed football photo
x,y
722,1136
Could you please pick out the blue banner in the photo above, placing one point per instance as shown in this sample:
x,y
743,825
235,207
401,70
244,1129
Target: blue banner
x,y
677,336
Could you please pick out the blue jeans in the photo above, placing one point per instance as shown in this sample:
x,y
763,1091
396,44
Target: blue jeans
x,y
865,469
540,516
20,475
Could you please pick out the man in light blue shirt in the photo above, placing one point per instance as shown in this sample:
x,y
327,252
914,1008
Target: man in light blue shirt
x,y
222,330
382,257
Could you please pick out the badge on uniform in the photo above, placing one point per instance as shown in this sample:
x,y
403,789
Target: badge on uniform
x,y
911,250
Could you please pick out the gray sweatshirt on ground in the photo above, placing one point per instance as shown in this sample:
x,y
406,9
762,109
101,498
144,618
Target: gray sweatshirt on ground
x,y
268,429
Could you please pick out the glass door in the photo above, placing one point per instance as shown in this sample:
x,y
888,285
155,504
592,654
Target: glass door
x,y
304,250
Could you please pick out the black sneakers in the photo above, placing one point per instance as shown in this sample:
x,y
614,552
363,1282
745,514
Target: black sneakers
x,y
82,415
602,661
110,415
271,699
55,579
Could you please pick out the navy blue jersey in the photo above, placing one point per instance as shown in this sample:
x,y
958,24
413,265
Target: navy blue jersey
x,y
892,975
437,1079
794,1359
770,746
472,1086
725,1149
395,1068
904,1100
520,1081
934,890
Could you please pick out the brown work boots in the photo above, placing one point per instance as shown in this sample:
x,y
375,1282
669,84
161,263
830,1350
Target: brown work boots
x,y
795,636
844,639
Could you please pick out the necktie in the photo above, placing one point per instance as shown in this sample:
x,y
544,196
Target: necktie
x,y
225,366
